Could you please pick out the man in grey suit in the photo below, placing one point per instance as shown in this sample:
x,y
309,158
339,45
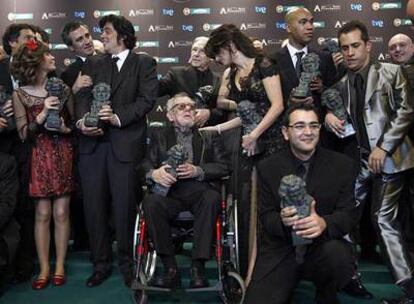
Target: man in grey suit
x,y
380,103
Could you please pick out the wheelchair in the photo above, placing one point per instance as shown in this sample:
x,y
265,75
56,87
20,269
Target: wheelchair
x,y
229,285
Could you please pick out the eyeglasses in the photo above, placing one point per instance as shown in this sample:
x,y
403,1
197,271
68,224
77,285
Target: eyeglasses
x,y
183,106
301,126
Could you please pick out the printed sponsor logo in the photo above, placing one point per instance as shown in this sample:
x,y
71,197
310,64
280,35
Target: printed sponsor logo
x,y
232,10
187,27
376,39
274,41
148,44
180,43
79,14
141,12
160,28
319,24
252,26
210,26
168,60
136,28
402,22
101,13
327,7
53,15
356,7
339,24
376,6
196,11
58,46
377,23
285,8
281,25
96,29
260,9
167,12
19,16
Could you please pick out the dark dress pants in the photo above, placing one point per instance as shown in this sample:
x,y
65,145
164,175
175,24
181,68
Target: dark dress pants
x,y
201,199
386,192
109,186
328,264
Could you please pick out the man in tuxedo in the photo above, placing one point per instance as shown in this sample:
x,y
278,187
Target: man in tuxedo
x,y
110,153
328,260
9,229
300,30
379,101
14,36
191,189
189,79
77,37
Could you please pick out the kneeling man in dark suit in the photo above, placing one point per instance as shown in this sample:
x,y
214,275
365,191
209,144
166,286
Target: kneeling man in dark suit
x,y
329,178
191,189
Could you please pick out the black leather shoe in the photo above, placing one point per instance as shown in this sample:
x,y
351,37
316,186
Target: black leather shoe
x,y
198,280
21,277
403,300
355,289
170,279
97,278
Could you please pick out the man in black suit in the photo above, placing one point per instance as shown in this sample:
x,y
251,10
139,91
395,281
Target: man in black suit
x,y
77,37
300,30
189,79
327,261
13,37
9,229
191,189
109,154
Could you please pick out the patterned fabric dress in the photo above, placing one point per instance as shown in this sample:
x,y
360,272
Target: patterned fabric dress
x,y
51,156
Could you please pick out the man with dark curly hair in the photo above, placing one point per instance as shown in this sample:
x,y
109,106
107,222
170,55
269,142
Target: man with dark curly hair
x,y
109,153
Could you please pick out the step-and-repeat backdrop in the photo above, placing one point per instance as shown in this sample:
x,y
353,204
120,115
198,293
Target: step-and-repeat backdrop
x,y
166,28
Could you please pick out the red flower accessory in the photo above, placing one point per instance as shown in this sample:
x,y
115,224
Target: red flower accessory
x,y
32,45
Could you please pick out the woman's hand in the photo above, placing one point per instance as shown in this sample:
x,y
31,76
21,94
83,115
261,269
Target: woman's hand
x,y
249,142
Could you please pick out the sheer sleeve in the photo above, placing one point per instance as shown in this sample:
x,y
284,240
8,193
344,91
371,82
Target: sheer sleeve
x,y
20,115
268,68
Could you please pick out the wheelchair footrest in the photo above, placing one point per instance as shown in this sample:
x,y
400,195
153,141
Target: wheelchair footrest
x,y
215,287
138,286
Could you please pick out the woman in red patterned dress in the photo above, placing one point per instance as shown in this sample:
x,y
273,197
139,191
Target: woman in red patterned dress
x,y
51,155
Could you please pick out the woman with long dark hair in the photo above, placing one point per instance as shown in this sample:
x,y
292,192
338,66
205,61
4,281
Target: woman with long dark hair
x,y
50,156
251,76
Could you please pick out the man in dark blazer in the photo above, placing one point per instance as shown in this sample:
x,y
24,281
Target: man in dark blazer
x,y
77,37
109,154
13,37
189,79
9,229
327,261
191,189
300,30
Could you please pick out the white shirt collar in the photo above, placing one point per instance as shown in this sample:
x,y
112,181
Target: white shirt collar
x,y
292,50
122,57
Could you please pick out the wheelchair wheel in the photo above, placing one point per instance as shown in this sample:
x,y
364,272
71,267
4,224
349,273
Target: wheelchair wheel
x,y
148,259
140,297
232,232
234,290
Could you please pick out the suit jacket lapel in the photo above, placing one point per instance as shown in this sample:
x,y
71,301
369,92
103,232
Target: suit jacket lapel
x,y
372,82
287,64
312,180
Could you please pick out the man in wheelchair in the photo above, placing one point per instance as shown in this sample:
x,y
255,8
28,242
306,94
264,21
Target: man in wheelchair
x,y
189,186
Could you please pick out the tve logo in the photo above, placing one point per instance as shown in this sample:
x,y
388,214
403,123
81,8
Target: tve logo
x,y
260,9
377,23
281,25
79,14
187,28
356,7
168,12
97,29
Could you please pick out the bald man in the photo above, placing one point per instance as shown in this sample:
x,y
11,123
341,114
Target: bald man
x,y
400,48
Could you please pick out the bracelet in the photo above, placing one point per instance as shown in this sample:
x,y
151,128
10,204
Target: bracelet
x,y
219,128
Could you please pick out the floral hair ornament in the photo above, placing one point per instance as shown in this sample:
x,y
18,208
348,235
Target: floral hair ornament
x,y
32,45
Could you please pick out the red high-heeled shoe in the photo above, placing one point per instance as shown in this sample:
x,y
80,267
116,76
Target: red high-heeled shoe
x,y
39,284
58,280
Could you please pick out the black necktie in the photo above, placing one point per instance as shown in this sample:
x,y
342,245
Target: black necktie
x,y
115,71
358,111
298,65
